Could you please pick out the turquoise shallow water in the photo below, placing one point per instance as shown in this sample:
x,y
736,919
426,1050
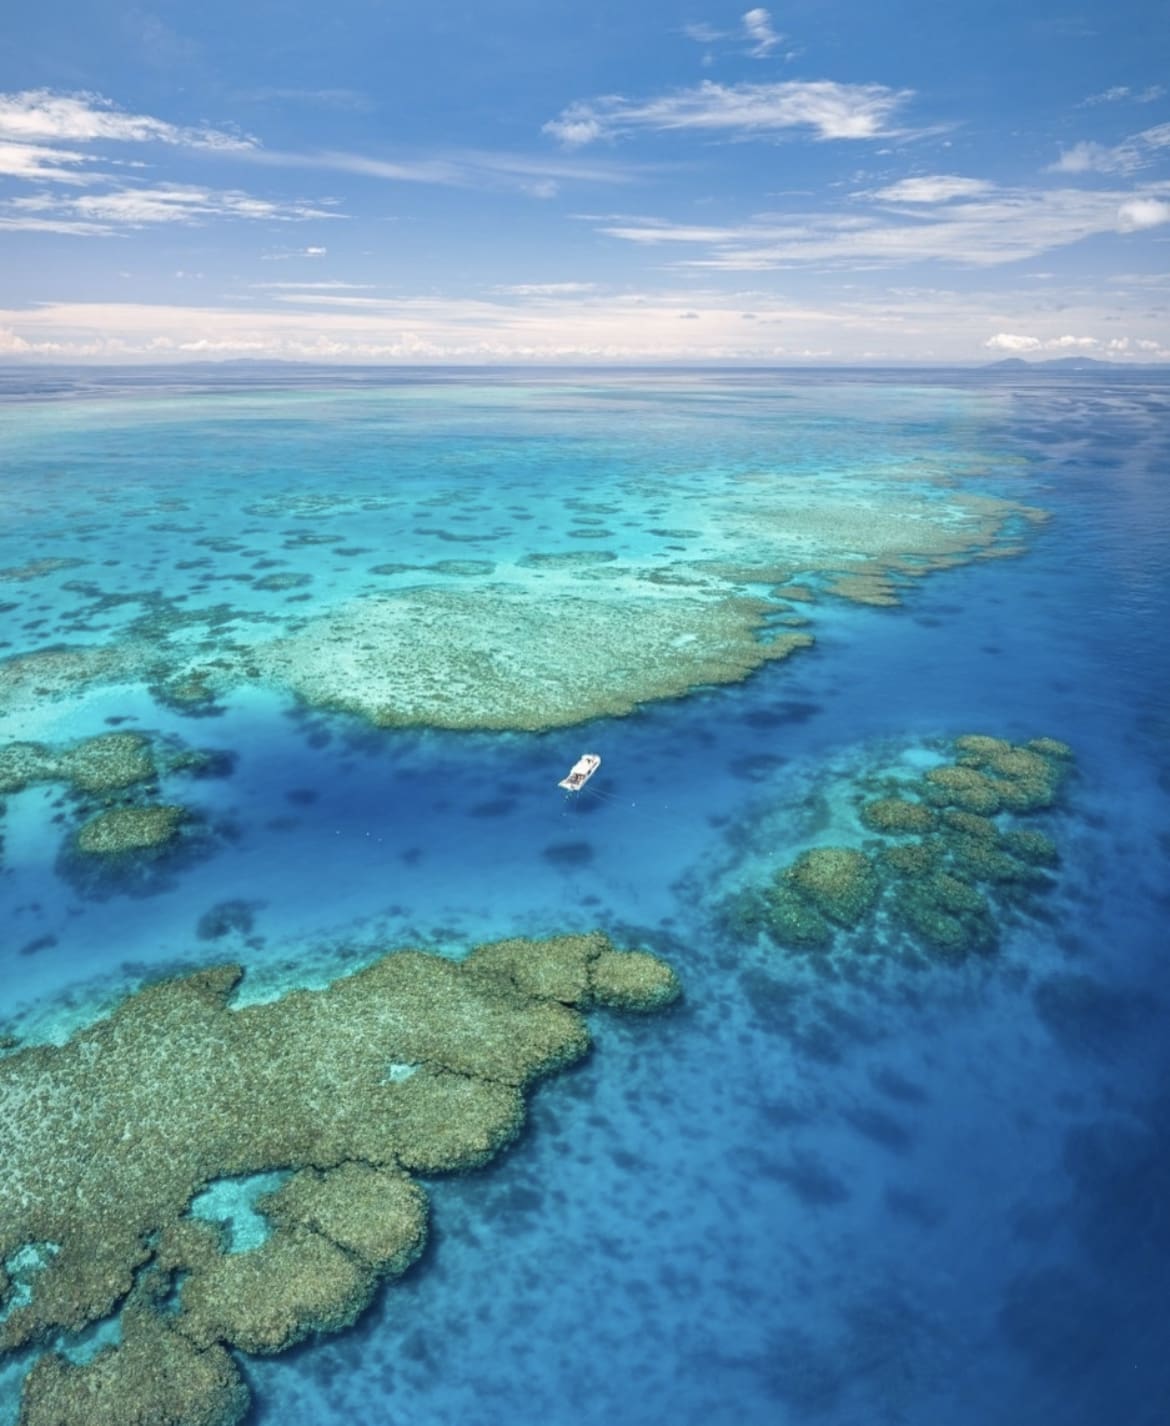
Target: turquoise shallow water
x,y
904,1197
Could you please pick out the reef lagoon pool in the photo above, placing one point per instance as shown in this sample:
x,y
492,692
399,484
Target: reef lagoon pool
x,y
809,1065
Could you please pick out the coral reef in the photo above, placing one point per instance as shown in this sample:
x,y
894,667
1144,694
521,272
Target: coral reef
x,y
945,914
910,858
1028,845
962,787
110,762
26,679
188,692
414,1064
944,868
121,833
895,815
38,568
792,921
22,764
701,592
631,980
101,768
282,580
496,658
298,1282
839,882
154,1376
129,829
990,774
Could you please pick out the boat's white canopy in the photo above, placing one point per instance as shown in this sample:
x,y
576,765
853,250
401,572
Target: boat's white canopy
x,y
580,773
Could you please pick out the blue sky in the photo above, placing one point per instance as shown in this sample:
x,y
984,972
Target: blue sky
x,y
824,181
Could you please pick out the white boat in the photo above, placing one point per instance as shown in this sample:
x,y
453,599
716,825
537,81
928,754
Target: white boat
x,y
580,773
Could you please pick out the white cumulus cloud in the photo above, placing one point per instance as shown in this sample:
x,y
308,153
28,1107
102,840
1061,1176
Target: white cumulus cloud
x,y
1014,342
575,126
1011,342
631,325
1138,213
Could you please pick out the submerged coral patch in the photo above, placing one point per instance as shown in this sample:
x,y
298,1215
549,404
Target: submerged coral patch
x,y
283,580
961,787
566,559
897,815
108,1139
944,867
793,920
38,568
839,882
121,831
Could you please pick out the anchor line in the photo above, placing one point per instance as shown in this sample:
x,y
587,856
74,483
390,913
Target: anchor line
x,y
615,801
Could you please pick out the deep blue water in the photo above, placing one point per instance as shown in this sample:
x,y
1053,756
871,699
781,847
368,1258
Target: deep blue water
x,y
891,1197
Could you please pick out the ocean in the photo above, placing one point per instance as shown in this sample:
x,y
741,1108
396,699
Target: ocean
x,y
913,1170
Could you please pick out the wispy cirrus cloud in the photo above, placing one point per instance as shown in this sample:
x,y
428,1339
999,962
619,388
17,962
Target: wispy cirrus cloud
x,y
545,289
186,203
828,109
757,24
35,125
1134,153
31,223
538,175
42,163
931,188
315,286
702,33
41,115
755,31
985,230
313,251
1118,92
351,100
101,214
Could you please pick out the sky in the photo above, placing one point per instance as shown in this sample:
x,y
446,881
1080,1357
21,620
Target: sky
x,y
513,181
